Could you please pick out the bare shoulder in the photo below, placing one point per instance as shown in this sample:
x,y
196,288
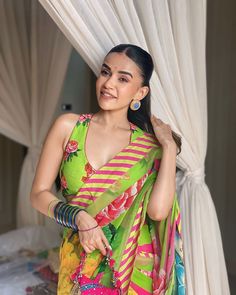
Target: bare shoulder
x,y
64,125
60,130
66,121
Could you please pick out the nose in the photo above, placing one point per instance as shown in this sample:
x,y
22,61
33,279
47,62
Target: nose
x,y
109,82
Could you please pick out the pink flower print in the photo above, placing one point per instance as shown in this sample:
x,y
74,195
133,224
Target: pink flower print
x,y
120,204
103,218
129,201
71,149
133,127
89,171
84,117
72,146
133,191
120,201
114,212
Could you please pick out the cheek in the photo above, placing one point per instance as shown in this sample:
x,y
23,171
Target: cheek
x,y
127,92
99,82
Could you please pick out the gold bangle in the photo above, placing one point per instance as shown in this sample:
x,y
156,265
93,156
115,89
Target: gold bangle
x,y
50,206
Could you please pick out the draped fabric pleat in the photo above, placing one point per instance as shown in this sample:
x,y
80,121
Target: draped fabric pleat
x,y
33,60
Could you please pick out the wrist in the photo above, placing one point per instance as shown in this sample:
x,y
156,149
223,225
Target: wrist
x,y
80,216
66,215
84,221
169,145
51,207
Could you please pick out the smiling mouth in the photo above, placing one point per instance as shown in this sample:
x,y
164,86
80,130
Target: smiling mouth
x,y
107,95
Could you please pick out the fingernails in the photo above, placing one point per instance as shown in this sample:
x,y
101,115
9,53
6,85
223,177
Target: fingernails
x,y
110,247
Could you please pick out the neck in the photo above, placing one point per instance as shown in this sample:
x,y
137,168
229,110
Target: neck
x,y
112,119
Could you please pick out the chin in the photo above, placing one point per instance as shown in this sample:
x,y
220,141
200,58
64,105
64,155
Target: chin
x,y
105,105
112,105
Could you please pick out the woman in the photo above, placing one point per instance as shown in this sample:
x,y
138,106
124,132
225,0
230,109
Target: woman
x,y
108,164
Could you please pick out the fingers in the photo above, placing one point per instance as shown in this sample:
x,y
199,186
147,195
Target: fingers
x,y
88,249
94,240
105,242
102,242
101,247
91,247
154,119
87,245
104,239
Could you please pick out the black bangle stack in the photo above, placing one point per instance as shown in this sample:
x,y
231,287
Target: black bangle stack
x,y
65,214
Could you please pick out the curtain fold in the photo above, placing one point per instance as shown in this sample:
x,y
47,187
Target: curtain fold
x,y
174,33
33,60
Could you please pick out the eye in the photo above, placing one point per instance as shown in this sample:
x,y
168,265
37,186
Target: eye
x,y
104,72
122,79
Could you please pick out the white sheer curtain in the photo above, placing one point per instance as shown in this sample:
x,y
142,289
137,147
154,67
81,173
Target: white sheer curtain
x,y
33,60
174,33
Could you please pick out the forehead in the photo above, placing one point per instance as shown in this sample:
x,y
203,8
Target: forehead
x,y
118,61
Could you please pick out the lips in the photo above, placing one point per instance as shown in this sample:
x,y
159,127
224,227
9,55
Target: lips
x,y
107,94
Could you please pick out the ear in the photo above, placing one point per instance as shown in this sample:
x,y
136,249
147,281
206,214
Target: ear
x,y
143,91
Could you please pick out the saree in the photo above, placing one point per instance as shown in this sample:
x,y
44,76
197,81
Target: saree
x,y
148,254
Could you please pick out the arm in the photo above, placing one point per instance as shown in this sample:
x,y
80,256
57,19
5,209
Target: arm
x,y
46,172
49,162
163,192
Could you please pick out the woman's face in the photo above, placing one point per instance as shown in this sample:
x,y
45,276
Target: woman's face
x,y
119,82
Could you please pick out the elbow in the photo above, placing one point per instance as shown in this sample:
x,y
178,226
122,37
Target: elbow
x,y
157,215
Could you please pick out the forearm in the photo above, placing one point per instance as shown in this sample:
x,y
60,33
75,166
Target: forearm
x,y
163,192
41,201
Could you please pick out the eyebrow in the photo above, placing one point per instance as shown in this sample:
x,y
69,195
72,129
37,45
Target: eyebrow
x,y
121,72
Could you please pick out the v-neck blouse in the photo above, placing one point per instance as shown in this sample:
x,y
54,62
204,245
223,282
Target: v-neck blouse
x,y
75,168
132,128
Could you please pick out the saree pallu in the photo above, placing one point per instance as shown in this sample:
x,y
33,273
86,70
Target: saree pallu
x,y
148,254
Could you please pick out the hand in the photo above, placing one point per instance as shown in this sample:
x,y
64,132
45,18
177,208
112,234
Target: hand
x,y
162,131
92,239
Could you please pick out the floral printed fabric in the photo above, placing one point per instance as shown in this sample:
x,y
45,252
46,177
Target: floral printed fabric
x,y
120,204
155,258
71,150
74,158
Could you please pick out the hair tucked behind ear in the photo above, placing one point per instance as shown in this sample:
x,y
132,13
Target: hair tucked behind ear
x,y
144,61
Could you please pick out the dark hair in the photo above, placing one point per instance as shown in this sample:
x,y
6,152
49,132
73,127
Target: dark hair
x,y
144,61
